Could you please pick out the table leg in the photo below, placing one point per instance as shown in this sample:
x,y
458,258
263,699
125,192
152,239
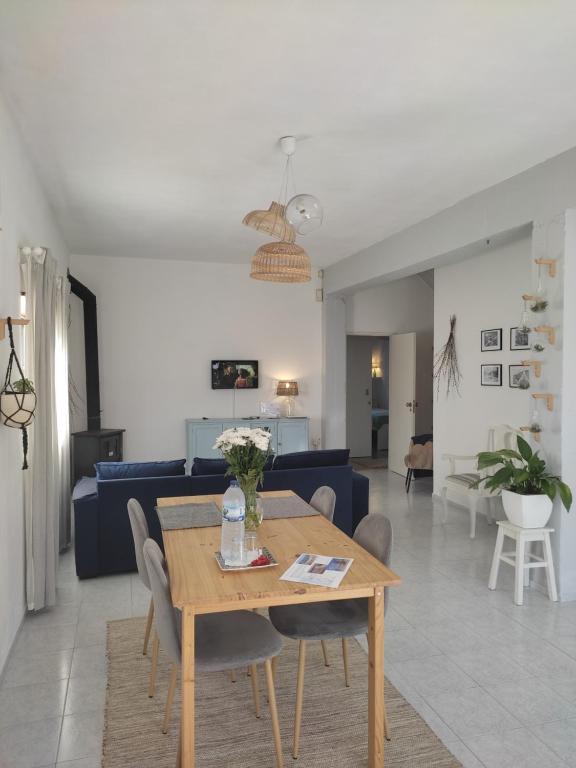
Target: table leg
x,y
376,679
188,680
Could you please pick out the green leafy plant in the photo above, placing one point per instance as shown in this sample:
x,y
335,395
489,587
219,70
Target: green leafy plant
x,y
523,472
23,386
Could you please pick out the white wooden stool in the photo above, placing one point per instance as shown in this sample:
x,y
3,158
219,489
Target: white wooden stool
x,y
522,558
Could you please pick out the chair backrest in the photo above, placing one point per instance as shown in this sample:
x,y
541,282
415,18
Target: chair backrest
x,y
374,534
164,613
140,534
324,501
502,436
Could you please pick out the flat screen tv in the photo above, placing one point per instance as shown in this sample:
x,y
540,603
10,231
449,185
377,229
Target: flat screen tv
x,y
234,374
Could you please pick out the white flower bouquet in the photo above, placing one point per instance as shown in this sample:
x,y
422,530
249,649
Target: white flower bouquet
x,y
246,450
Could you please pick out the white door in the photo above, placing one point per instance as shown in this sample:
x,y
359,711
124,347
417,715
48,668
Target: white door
x,y
359,395
402,398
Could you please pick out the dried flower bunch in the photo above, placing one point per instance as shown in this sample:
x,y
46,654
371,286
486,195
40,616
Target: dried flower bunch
x,y
446,363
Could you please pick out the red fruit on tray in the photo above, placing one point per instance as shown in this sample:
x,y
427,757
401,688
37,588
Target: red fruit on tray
x,y
260,560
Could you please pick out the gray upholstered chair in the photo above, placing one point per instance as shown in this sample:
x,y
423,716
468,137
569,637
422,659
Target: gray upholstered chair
x,y
324,501
140,534
223,641
336,619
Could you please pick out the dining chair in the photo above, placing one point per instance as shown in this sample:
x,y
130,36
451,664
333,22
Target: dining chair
x,y
223,641
140,534
335,619
324,501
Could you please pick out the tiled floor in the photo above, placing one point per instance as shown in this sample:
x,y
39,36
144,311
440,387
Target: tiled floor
x,y
497,682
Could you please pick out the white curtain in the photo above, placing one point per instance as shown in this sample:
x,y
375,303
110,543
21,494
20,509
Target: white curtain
x,y
46,482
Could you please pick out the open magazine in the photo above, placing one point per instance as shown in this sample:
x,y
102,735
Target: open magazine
x,y
318,569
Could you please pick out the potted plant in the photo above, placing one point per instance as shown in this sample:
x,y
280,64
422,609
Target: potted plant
x,y
17,403
528,490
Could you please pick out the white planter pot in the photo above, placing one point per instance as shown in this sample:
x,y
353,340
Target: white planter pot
x,y
527,511
10,405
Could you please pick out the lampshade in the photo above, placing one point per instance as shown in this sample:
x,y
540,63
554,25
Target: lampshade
x,y
281,263
271,222
287,388
305,213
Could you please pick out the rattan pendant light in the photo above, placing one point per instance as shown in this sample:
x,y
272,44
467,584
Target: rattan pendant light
x,y
282,261
271,222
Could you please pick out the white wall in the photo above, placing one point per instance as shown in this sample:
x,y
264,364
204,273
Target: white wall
x,y
26,219
483,292
160,323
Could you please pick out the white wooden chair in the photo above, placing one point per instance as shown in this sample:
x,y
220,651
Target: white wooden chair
x,y
461,484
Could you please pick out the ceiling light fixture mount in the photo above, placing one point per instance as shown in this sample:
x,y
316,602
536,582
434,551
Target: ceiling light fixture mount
x,y
284,261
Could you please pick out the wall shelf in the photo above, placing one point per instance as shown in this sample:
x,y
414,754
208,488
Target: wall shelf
x,y
533,435
549,331
550,263
15,321
536,365
547,397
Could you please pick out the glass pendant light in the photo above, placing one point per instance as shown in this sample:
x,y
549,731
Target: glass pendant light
x,y
525,319
305,213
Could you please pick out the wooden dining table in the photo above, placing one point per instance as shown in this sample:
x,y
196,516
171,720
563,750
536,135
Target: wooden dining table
x,y
199,586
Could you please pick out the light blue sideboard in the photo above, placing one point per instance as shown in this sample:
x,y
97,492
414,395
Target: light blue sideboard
x,y
288,434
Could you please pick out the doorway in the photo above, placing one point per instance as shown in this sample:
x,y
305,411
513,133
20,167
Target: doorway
x,y
367,399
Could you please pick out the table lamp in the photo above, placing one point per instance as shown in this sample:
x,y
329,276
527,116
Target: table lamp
x,y
289,390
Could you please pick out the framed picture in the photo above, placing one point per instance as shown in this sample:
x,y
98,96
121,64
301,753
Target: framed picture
x,y
519,376
519,338
491,340
491,375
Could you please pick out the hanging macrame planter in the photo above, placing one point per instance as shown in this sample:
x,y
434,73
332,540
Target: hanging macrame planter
x,y
17,398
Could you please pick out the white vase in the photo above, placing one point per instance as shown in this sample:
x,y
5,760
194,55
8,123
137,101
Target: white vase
x,y
527,511
10,405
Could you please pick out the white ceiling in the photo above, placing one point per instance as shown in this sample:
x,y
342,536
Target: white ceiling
x,y
154,122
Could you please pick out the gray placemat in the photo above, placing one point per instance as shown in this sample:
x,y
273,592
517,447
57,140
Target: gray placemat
x,y
179,516
286,506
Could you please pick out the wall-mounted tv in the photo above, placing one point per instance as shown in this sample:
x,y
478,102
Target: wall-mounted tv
x,y
234,374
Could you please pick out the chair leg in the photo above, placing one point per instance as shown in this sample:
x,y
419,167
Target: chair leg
x,y
255,688
550,577
325,653
386,725
170,697
443,493
155,649
409,476
496,559
473,506
299,699
489,510
274,713
149,621
232,674
519,572
345,660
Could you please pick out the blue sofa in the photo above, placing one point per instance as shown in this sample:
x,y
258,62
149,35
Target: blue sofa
x,y
103,539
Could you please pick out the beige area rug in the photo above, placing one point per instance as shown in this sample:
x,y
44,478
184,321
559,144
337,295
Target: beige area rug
x,y
334,723
379,462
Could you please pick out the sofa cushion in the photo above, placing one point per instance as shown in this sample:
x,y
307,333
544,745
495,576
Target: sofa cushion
x,y
86,486
122,470
218,466
337,457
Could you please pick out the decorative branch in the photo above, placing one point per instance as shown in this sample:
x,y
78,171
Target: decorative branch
x,y
446,364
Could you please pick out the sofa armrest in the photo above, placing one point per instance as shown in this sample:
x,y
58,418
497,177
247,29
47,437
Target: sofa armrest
x,y
86,550
360,497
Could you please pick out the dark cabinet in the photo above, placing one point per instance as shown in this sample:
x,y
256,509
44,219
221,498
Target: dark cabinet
x,y
92,446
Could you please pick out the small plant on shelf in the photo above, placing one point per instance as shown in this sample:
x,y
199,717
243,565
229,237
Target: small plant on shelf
x,y
535,428
539,306
23,386
537,347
